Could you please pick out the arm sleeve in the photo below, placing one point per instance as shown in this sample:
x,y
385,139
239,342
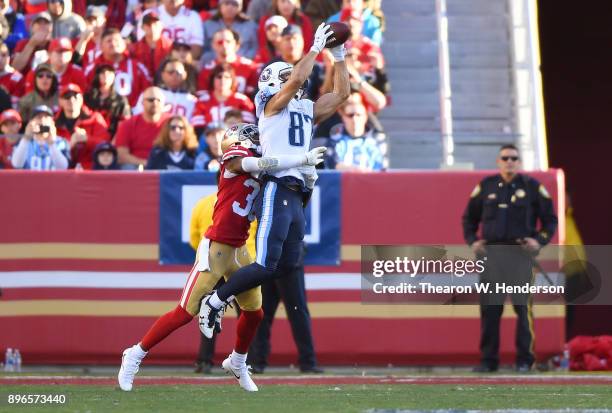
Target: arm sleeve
x,y
59,159
472,214
252,164
548,218
18,158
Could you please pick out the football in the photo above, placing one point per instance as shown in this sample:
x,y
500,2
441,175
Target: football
x,y
341,34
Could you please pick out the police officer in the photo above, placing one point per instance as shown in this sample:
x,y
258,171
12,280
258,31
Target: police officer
x,y
508,205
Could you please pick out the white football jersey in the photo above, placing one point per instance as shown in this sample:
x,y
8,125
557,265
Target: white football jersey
x,y
186,26
289,132
176,103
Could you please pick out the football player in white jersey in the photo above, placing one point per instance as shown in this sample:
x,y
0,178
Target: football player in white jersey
x,y
285,124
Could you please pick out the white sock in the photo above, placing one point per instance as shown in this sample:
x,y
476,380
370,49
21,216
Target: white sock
x,y
138,351
238,359
215,302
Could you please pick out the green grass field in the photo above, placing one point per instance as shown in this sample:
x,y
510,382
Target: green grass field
x,y
312,398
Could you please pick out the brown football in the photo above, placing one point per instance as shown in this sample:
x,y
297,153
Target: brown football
x,y
341,34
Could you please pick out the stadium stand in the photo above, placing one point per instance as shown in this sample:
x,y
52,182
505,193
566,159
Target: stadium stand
x,y
481,81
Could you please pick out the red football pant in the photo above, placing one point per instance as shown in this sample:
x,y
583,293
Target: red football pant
x,y
246,329
165,325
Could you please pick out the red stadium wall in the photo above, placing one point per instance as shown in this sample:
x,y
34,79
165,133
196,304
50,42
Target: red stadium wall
x,y
87,244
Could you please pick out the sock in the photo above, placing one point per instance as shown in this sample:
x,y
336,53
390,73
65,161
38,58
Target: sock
x,y
214,301
244,279
138,351
165,325
246,329
238,359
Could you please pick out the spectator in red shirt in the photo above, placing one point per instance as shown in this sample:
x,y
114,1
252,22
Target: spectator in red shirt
x,y
34,49
131,76
89,46
291,10
80,126
211,107
226,43
274,26
10,124
103,97
153,47
10,79
60,56
135,136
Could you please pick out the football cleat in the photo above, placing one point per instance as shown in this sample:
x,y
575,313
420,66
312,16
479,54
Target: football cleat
x,y
241,373
210,318
130,364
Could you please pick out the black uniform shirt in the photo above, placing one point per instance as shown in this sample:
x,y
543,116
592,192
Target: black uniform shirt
x,y
509,211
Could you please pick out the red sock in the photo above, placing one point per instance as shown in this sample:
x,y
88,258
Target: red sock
x,y
246,329
165,325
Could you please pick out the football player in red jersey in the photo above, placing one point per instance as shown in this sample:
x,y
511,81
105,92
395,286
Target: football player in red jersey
x,y
221,252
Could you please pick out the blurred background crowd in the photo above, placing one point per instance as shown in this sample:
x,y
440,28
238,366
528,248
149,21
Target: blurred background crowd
x,y
141,84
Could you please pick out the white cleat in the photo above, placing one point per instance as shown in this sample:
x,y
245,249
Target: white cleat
x,y
129,367
210,318
241,373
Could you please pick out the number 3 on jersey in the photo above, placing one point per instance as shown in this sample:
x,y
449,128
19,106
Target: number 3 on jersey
x,y
243,212
296,128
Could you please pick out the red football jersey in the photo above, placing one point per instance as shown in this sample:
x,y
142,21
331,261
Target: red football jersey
x,y
246,75
234,201
92,52
209,110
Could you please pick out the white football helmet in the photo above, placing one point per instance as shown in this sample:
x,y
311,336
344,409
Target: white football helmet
x,y
273,77
244,134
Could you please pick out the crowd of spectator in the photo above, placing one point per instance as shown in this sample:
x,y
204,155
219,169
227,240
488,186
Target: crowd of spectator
x,y
146,84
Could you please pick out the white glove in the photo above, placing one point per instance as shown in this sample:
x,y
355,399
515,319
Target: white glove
x,y
338,52
320,38
309,173
315,156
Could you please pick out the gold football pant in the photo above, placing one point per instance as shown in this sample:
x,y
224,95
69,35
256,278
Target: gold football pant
x,y
223,261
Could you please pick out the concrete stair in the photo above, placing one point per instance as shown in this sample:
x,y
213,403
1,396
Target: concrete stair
x,y
481,81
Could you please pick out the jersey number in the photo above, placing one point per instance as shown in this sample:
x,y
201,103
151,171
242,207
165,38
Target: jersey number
x,y
243,212
296,128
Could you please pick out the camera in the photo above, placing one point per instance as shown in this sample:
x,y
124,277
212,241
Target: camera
x,y
43,129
